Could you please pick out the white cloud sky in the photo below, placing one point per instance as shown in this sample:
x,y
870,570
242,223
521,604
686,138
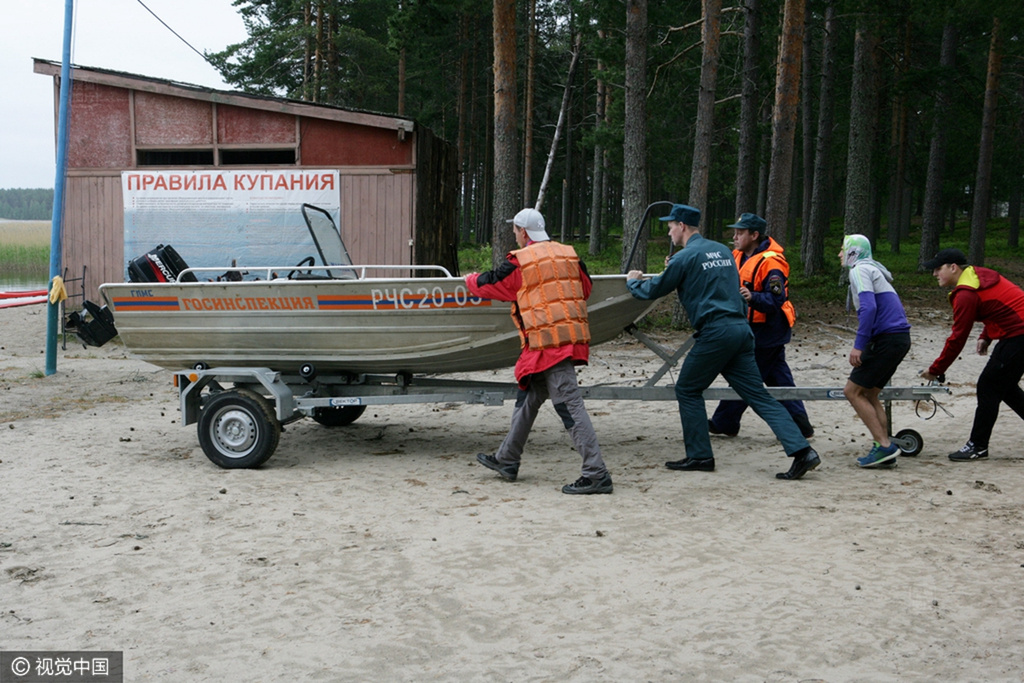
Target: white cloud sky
x,y
109,34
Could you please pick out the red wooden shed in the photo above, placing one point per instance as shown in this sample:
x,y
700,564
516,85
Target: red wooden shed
x,y
397,182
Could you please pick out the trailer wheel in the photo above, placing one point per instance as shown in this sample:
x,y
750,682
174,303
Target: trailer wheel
x,y
909,442
338,416
238,429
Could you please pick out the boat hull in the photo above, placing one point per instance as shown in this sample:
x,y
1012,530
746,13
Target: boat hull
x,y
379,325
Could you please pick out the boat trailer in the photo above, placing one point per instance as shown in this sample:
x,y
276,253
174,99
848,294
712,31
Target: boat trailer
x,y
240,426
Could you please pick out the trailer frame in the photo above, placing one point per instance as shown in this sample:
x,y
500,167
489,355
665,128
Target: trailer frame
x,y
239,426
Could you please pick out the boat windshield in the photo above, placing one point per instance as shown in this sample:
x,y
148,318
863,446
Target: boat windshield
x,y
327,239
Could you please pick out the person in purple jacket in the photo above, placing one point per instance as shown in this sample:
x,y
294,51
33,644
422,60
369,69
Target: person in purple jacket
x,y
883,340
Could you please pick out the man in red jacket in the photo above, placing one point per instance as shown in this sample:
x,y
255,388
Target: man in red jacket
x,y
548,286
982,295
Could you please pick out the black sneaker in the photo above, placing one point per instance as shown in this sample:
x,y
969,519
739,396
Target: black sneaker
x,y
509,472
715,430
969,452
583,486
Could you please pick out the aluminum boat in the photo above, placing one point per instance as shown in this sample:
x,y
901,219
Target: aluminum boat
x,y
382,325
334,316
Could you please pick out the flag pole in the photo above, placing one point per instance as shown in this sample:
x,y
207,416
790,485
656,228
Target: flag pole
x,y
56,257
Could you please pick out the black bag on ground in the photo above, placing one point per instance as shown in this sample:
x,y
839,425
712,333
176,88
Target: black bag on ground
x,y
97,331
162,264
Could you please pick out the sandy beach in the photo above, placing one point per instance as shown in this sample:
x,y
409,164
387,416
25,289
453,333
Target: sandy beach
x,y
382,551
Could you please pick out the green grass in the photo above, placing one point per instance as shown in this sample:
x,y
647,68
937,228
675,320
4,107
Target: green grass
x,y
18,261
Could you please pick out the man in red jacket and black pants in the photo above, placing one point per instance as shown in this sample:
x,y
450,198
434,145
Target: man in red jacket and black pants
x,y
982,295
548,286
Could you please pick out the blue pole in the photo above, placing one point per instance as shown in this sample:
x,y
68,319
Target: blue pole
x,y
56,258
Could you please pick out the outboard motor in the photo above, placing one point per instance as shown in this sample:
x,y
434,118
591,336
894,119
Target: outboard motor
x,y
162,264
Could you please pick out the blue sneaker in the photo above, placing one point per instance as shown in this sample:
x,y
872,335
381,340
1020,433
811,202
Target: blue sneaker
x,y
879,456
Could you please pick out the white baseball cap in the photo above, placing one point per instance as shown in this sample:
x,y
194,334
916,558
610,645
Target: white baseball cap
x,y
532,221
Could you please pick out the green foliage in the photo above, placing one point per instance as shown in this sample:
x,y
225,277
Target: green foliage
x,y
26,204
338,54
474,258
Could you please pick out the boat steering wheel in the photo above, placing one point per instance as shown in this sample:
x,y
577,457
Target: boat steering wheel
x,y
308,261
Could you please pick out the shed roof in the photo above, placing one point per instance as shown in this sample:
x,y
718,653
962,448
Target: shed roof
x,y
120,79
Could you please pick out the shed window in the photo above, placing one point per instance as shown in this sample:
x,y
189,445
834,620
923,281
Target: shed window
x,y
257,157
175,157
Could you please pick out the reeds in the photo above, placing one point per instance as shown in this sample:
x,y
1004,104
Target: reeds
x,y
24,252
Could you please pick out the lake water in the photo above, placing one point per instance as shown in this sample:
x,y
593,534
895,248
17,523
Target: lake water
x,y
9,284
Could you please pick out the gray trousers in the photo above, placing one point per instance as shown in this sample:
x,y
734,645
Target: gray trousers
x,y
559,384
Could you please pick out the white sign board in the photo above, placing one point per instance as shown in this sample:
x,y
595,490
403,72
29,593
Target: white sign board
x,y
212,217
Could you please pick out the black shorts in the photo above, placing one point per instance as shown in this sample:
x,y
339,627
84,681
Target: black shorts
x,y
878,362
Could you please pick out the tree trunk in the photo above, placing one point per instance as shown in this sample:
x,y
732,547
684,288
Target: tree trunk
x,y
531,61
1017,180
705,127
634,153
806,136
787,96
746,167
462,109
897,187
307,56
506,169
764,157
931,225
821,202
594,246
401,81
318,52
983,186
858,212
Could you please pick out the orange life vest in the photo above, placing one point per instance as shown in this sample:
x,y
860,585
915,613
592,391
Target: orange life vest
x,y
552,310
753,273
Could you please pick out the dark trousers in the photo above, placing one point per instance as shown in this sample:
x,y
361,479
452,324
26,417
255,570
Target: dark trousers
x,y
727,350
558,383
999,383
775,372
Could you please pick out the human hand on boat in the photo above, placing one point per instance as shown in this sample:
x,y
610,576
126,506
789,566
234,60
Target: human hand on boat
x,y
635,275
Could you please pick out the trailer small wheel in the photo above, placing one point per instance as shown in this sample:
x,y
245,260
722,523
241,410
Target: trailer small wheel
x,y
338,416
238,429
909,442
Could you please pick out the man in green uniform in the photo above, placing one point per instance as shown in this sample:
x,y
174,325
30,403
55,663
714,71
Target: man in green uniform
x,y
704,276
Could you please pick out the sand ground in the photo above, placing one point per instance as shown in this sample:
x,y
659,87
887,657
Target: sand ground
x,y
382,551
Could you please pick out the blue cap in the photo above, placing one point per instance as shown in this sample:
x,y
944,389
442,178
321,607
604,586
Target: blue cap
x,y
683,214
750,221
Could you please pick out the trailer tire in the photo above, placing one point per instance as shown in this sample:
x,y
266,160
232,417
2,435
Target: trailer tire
x,y
909,442
238,429
338,416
